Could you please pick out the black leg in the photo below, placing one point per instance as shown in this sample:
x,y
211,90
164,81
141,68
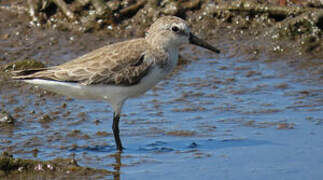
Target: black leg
x,y
115,128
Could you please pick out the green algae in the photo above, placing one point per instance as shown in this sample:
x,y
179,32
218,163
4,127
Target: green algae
x,y
22,65
13,168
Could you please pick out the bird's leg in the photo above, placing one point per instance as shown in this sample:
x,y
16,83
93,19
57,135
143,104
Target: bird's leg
x,y
115,128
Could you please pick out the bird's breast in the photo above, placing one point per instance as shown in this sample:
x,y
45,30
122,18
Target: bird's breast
x,y
155,75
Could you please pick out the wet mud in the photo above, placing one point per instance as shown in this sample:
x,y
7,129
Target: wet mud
x,y
16,168
259,104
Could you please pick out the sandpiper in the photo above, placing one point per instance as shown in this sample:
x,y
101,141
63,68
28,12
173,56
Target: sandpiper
x,y
119,71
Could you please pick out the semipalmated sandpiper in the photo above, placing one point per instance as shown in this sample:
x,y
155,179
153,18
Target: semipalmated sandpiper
x,y
119,71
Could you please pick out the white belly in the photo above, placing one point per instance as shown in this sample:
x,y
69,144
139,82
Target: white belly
x,y
110,93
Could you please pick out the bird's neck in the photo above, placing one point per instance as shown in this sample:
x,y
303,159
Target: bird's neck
x,y
167,55
162,44
173,58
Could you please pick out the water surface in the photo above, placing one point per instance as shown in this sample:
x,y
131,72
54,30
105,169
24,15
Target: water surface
x,y
212,119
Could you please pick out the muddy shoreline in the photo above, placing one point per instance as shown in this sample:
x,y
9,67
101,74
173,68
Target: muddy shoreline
x,y
252,37
243,28
16,168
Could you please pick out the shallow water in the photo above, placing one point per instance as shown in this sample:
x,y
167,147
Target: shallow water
x,y
213,118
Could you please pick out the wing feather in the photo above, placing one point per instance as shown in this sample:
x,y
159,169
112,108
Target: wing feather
x,y
122,63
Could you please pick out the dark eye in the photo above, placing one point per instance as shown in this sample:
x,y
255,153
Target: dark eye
x,y
175,29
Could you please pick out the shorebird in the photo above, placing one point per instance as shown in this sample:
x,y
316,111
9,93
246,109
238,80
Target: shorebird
x,y
119,71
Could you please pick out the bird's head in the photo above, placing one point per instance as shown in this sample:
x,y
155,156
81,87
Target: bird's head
x,y
171,32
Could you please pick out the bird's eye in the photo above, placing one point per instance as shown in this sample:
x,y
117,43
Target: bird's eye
x,y
175,29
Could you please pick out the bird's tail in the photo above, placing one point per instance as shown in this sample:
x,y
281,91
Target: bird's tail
x,y
26,74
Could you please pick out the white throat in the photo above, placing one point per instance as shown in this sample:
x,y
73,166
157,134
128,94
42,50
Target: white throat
x,y
173,57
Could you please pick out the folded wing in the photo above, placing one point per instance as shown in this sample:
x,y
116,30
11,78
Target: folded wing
x,y
113,64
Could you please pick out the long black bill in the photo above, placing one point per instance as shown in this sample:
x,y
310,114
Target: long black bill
x,y
197,41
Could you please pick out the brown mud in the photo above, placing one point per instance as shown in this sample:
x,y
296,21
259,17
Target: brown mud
x,y
16,168
293,30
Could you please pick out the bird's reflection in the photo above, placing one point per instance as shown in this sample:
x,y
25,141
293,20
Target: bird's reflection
x,y
117,165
